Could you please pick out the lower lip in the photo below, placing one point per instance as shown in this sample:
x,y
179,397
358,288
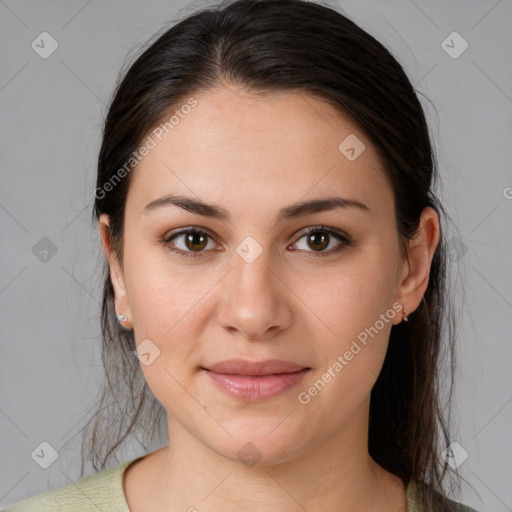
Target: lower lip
x,y
251,388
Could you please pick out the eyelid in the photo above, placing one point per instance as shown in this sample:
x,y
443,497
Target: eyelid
x,y
332,231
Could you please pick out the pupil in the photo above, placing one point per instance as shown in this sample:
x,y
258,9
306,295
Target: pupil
x,y
194,239
319,241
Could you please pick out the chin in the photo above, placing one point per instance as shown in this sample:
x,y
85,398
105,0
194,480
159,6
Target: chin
x,y
262,442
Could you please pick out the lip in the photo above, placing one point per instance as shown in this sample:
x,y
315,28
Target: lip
x,y
253,381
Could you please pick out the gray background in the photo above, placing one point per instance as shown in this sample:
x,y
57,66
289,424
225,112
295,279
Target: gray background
x,y
52,110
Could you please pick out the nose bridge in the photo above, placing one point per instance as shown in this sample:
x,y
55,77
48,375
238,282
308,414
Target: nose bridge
x,y
252,303
251,270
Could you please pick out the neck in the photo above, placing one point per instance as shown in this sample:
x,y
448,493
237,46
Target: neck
x,y
336,474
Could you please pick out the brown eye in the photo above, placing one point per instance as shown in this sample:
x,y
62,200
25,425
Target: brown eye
x,y
317,239
196,241
188,243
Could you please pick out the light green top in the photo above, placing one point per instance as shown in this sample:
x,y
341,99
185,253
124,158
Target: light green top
x,y
104,491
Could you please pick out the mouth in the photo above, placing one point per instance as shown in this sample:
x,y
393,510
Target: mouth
x,y
252,381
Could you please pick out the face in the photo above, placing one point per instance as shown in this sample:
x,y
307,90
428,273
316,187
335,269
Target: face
x,y
256,278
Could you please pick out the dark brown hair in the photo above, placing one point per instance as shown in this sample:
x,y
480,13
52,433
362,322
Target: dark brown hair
x,y
290,45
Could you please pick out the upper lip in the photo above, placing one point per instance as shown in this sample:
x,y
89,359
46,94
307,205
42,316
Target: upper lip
x,y
244,367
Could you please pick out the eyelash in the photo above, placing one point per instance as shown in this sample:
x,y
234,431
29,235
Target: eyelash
x,y
340,235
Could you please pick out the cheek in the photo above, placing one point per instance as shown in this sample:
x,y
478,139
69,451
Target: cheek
x,y
350,364
357,312
166,306
161,295
170,311
354,297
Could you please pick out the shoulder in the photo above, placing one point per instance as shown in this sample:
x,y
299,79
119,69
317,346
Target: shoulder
x,y
459,507
100,491
414,505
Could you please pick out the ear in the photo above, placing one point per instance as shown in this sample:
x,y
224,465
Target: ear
x,y
416,268
122,305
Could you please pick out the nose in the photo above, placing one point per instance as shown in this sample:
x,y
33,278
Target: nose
x,y
254,299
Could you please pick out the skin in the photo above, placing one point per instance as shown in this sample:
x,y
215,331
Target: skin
x,y
254,155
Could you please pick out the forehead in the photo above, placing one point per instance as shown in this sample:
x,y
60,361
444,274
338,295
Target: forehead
x,y
279,146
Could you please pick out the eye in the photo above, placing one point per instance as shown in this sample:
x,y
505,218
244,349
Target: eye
x,y
195,242
192,241
320,237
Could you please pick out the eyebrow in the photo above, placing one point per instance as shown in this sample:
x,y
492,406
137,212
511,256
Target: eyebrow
x,y
289,212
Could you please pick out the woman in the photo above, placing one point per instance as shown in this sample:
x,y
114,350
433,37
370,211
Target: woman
x,y
276,263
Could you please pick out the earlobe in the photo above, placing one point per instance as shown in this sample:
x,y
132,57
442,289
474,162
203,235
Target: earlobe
x,y
416,270
122,306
